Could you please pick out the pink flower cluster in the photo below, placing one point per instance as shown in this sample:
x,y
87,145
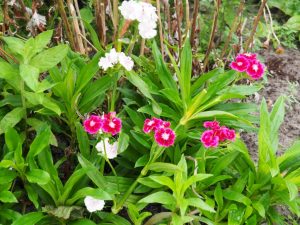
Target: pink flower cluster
x,y
216,134
108,123
163,134
248,63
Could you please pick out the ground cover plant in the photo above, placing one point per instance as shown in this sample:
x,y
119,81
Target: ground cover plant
x,y
134,112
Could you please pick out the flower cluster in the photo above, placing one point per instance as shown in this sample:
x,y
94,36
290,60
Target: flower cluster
x,y
93,204
113,57
107,123
144,13
216,134
248,63
163,134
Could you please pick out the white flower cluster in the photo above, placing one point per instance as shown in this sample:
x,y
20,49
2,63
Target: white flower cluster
x,y
111,150
113,57
144,13
93,204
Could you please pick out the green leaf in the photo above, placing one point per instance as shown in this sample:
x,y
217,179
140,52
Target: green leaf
x,y
293,190
32,195
30,75
12,139
7,197
37,44
86,14
49,58
235,196
7,176
293,23
11,119
290,158
193,179
163,72
82,222
63,212
8,71
159,197
41,141
186,71
92,172
16,45
218,194
235,215
163,180
163,167
259,208
198,203
123,142
38,176
83,140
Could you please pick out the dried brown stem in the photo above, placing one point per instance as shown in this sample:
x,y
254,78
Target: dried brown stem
x,y
81,25
4,53
161,37
79,43
177,7
194,23
212,34
63,14
23,7
255,24
233,27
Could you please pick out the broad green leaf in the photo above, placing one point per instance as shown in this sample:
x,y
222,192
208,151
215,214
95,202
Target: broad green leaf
x,y
218,194
83,140
82,222
163,180
290,158
123,142
41,141
88,191
235,196
259,208
235,215
293,190
294,22
198,203
11,119
12,139
92,172
6,175
63,212
193,179
16,45
8,71
32,195
38,176
159,197
49,58
30,75
9,214
163,167
7,197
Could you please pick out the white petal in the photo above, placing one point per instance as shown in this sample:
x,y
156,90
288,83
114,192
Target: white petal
x,y
93,204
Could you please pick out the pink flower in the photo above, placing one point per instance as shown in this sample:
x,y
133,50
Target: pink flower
x,y
111,124
249,56
209,139
256,69
222,133
93,124
240,64
154,124
165,137
211,124
231,135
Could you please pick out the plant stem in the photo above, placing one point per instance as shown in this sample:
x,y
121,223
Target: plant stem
x,y
177,7
212,34
255,24
194,23
161,36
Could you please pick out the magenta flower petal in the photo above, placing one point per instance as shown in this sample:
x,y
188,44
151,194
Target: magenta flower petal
x,y
111,124
165,137
240,64
93,124
256,69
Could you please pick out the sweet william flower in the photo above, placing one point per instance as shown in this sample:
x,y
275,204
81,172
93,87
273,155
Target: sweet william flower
x,y
256,69
113,57
249,56
93,204
111,150
131,10
209,139
111,124
125,61
211,124
146,30
165,137
240,64
93,124
154,124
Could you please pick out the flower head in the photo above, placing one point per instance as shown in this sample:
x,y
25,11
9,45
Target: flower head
x,y
209,139
165,137
125,61
93,124
154,124
249,56
104,147
130,10
211,124
240,64
111,124
93,204
113,57
256,69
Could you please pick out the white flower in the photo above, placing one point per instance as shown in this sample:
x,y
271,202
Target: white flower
x,y
144,13
130,10
110,149
147,31
93,204
113,57
104,63
126,61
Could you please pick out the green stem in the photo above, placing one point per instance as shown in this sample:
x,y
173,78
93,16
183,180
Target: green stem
x,y
24,108
114,95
